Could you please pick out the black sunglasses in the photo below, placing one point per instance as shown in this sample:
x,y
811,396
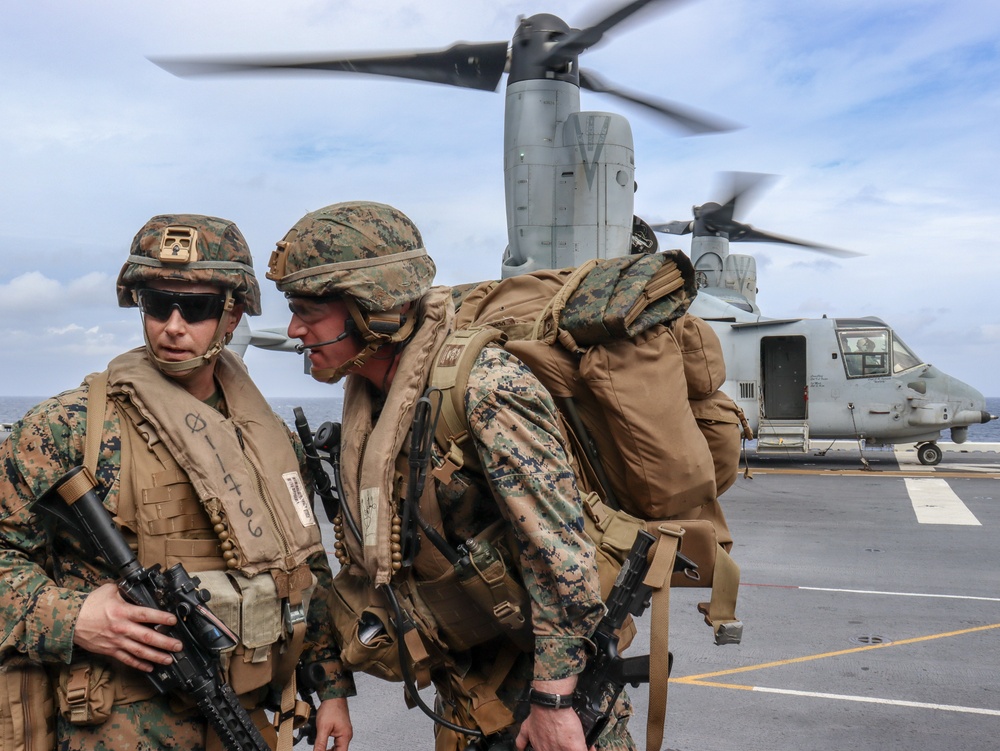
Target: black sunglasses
x,y
193,306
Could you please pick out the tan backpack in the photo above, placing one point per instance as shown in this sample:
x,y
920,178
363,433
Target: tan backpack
x,y
637,382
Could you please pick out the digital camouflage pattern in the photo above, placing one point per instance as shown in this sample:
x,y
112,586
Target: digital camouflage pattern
x,y
44,580
513,421
143,725
368,251
526,466
222,258
621,297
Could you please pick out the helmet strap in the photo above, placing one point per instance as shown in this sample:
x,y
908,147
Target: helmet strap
x,y
219,340
376,330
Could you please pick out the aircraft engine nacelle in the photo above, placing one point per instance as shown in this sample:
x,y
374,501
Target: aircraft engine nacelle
x,y
571,199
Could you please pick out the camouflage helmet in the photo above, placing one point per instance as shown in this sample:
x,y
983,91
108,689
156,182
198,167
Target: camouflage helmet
x,y
190,248
367,251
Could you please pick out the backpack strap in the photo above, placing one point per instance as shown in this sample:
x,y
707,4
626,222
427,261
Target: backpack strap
x,y
97,406
450,374
658,579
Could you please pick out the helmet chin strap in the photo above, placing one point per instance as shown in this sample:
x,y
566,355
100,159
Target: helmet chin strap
x,y
376,330
219,340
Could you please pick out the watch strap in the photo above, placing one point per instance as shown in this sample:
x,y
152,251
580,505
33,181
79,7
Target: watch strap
x,y
552,701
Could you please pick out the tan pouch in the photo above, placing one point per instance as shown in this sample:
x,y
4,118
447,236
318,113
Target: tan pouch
x,y
701,350
86,693
251,608
366,636
27,709
461,623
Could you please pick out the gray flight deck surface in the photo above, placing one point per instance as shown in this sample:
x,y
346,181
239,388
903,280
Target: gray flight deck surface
x,y
871,604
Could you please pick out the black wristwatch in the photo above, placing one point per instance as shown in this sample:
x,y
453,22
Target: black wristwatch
x,y
552,701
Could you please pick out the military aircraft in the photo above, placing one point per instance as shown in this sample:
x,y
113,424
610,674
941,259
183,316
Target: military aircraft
x,y
800,380
569,193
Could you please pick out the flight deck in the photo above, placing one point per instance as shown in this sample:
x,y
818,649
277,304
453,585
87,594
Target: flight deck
x,y
870,599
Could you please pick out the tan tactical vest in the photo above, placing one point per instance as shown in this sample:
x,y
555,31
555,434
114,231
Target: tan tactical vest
x,y
220,495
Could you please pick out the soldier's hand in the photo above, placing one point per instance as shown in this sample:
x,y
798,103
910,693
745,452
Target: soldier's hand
x,y
551,730
333,722
107,625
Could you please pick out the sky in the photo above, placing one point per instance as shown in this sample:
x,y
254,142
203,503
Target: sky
x,y
880,120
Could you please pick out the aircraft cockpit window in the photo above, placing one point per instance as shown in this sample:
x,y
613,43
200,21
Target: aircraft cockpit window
x,y
866,353
902,357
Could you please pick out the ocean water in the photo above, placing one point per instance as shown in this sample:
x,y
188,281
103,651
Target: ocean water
x,y
319,410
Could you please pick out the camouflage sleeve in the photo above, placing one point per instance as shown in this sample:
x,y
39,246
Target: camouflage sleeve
x,y
37,617
513,420
321,642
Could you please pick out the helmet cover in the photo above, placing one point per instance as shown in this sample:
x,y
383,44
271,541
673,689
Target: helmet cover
x,y
368,251
190,248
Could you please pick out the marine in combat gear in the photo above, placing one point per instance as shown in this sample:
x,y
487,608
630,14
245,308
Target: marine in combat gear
x,y
196,469
359,285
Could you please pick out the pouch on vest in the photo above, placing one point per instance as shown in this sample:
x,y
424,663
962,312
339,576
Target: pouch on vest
x,y
27,708
482,600
251,608
87,691
366,634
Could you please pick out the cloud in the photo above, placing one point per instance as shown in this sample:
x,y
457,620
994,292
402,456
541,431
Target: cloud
x,y
880,118
33,294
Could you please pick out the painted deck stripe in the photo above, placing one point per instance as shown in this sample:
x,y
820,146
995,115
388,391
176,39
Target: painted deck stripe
x,y
896,644
934,502
900,594
848,697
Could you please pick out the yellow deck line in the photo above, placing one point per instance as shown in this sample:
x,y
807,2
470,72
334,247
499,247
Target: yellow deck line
x,y
700,679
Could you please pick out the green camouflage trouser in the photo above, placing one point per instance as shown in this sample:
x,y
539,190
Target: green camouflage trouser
x,y
149,725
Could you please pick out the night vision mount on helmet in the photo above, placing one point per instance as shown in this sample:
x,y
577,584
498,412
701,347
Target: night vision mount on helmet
x,y
199,250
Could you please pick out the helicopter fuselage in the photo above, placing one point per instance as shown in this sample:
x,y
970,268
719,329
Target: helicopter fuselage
x,y
832,378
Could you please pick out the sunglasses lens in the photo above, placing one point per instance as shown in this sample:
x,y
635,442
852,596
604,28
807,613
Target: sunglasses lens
x,y
193,307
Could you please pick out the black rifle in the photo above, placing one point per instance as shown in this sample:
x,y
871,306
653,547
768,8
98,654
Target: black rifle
x,y
607,672
195,671
331,503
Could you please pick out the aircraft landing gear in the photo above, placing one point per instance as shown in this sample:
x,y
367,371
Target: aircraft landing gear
x,y
929,454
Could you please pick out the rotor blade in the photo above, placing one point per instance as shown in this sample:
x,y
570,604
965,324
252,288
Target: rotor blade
x,y
471,66
579,40
674,228
746,188
746,233
690,120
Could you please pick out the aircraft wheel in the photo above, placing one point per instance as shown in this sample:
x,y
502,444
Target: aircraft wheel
x,y
929,454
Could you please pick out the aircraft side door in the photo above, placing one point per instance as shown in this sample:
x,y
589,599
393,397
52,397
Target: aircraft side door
x,y
783,377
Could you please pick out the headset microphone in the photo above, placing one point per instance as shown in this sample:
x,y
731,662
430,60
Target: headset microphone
x,y
349,328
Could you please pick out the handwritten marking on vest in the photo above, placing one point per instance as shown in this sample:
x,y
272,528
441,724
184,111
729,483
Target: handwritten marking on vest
x,y
196,423
231,481
369,515
248,512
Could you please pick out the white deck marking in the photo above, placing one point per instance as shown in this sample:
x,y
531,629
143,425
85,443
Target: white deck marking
x,y
874,700
934,502
901,594
907,458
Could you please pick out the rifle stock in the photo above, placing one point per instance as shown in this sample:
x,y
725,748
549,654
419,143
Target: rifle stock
x,y
195,671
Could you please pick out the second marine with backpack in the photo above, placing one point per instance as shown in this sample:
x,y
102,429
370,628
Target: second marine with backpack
x,y
480,542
